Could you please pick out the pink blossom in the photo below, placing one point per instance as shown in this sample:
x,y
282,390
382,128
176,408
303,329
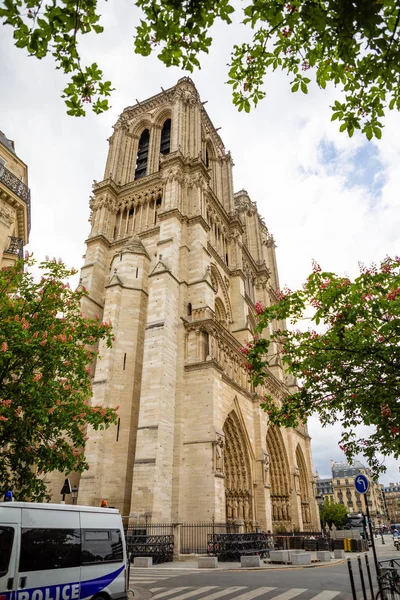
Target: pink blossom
x,y
37,377
259,307
394,429
385,411
5,402
4,347
3,418
51,410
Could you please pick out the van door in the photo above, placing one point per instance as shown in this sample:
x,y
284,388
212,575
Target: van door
x,y
50,553
8,558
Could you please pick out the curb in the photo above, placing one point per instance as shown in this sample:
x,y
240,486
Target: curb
x,y
282,567
140,593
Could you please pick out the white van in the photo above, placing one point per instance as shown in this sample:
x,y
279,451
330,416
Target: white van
x,y
61,552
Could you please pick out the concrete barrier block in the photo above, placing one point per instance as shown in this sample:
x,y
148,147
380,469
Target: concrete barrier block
x,y
143,561
339,554
279,556
208,562
301,558
323,555
250,561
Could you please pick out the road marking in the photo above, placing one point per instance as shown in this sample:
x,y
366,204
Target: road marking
x,y
199,591
224,592
169,592
290,594
154,590
325,595
254,593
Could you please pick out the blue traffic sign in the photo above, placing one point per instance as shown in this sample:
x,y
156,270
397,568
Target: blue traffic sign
x,y
361,483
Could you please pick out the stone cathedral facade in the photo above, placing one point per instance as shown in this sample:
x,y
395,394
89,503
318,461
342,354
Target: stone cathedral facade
x,y
176,261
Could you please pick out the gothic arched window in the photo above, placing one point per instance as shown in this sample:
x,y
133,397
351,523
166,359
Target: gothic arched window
x,y
165,146
142,155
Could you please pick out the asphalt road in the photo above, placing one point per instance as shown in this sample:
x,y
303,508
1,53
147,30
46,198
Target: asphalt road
x,y
173,582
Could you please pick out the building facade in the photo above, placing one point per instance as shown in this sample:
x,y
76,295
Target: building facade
x,y
176,261
15,207
343,476
392,498
325,489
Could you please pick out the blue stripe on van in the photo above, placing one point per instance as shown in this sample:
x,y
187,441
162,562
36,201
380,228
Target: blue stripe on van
x,y
67,591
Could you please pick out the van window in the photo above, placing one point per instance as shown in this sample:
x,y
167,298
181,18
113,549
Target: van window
x,y
101,545
43,549
6,542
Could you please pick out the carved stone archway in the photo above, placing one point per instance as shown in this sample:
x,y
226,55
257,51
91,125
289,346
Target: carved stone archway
x,y
238,479
280,482
304,491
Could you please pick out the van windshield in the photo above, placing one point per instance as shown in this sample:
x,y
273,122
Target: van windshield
x,y
6,542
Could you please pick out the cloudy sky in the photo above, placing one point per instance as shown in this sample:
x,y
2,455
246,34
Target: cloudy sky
x,y
322,195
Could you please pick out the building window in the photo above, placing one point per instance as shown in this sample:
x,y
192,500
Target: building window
x,y
346,481
165,146
142,155
338,482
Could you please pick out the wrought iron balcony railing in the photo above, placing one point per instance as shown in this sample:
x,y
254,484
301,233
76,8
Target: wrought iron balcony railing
x,y
15,246
20,189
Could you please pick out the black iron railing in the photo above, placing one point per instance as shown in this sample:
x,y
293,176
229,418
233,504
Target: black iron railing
x,y
159,547
194,536
14,184
15,246
231,546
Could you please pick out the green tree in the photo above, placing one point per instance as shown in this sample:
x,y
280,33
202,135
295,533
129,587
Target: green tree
x,y
46,352
333,513
352,44
349,368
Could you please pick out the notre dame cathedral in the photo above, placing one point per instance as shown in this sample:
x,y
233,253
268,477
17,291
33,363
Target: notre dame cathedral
x,y
176,261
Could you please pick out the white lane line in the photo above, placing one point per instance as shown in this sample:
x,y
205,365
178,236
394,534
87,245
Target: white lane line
x,y
224,592
325,595
169,592
198,591
254,593
289,594
154,590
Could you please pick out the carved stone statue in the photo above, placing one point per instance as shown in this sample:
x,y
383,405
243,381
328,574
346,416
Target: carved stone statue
x,y
266,463
296,476
219,453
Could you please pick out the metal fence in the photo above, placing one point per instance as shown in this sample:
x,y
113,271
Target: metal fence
x,y
149,528
194,536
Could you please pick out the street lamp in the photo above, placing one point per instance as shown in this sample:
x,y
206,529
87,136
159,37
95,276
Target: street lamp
x,y
74,494
320,501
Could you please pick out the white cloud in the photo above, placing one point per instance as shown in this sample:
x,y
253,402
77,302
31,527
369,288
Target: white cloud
x,y
308,205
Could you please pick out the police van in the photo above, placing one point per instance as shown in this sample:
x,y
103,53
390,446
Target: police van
x,y
61,552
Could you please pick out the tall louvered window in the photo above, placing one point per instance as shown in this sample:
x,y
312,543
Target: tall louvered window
x,y
143,155
165,146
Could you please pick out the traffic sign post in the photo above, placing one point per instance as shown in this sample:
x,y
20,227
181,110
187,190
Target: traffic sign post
x,y
361,483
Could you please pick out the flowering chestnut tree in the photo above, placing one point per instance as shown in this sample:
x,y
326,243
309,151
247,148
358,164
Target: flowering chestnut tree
x,y
348,361
352,44
46,352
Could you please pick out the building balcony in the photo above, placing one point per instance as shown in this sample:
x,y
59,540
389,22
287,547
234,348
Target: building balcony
x,y
15,185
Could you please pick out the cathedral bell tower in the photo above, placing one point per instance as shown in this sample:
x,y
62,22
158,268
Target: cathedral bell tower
x,y
176,261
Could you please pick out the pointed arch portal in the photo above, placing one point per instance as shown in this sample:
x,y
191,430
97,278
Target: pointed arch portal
x,y
280,482
238,479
